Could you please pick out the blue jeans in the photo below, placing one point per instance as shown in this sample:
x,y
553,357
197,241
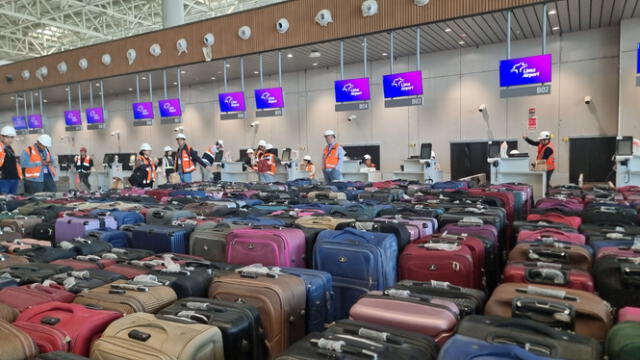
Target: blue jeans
x,y
185,178
267,178
9,186
332,175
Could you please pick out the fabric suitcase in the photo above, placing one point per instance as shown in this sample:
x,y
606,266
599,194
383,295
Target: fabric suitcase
x,y
86,279
127,254
239,324
468,301
321,222
548,274
8,313
380,196
554,234
359,261
69,228
598,242
185,283
45,231
15,245
26,296
320,297
128,271
280,299
603,214
209,240
84,246
494,216
569,309
559,253
629,314
7,260
623,342
57,326
85,262
408,311
16,344
46,254
167,217
618,280
326,195
118,239
127,217
267,246
462,347
126,297
450,185
573,221
161,238
21,224
146,337
399,230
60,355
34,273
617,251
254,221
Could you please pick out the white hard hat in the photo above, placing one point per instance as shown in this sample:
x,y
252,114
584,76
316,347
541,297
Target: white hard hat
x,y
145,146
544,135
367,157
329,133
269,147
168,148
249,151
8,131
514,152
307,157
181,136
45,140
262,143
220,142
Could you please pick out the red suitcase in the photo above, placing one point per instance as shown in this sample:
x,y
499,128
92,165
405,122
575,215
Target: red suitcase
x,y
404,310
573,221
129,271
553,234
629,314
23,297
84,262
548,274
57,326
617,251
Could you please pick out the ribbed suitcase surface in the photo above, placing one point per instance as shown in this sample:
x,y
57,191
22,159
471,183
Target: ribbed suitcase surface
x,y
161,238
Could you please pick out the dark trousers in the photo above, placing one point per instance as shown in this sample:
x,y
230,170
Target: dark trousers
x,y
84,178
33,187
549,173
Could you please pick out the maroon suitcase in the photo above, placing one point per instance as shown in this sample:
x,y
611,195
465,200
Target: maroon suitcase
x,y
84,262
548,274
23,297
553,235
472,227
130,271
404,310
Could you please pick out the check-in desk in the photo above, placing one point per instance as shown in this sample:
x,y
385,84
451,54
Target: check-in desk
x,y
294,172
419,170
509,170
352,170
628,170
237,172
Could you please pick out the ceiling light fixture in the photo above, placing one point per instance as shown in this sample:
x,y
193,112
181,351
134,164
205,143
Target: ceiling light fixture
x,y
45,100
461,42
384,54
315,54
256,72
552,12
97,84
447,30
12,98
213,78
144,78
130,89
555,28
175,83
228,65
315,64
289,55
182,72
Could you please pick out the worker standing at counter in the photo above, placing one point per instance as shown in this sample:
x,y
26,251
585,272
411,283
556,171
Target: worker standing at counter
x,y
332,158
546,152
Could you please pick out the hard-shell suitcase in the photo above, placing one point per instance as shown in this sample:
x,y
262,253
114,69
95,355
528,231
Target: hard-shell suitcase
x,y
7,260
280,299
26,296
320,297
408,311
549,274
462,347
161,238
209,240
167,217
21,224
554,234
569,309
618,280
553,252
16,344
321,222
8,313
266,245
148,337
359,261
117,238
126,297
69,228
240,324
629,314
418,227
623,341
34,273
536,338
57,326
468,301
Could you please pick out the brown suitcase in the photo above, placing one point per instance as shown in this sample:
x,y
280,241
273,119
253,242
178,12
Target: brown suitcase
x,y
202,208
147,337
15,344
8,260
21,224
321,222
326,195
555,252
118,297
280,299
8,313
575,310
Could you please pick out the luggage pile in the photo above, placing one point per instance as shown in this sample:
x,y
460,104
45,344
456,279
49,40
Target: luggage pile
x,y
389,270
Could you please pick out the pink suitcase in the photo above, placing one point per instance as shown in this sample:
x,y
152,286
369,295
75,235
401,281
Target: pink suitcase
x,y
417,226
401,309
551,235
548,274
132,192
69,228
269,246
617,252
629,314
299,212
20,244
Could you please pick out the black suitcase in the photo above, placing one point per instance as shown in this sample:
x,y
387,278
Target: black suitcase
x,y
412,210
310,236
494,216
34,273
45,231
380,196
194,283
539,338
618,280
399,230
59,355
45,254
91,246
604,214
78,281
469,301
539,225
128,254
607,228
242,332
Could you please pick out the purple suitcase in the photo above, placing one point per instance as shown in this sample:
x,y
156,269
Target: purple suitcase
x,y
69,227
417,226
471,228
266,245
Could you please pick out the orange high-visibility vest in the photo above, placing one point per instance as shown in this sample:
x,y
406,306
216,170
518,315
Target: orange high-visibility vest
x,y
86,163
272,162
34,157
151,169
311,170
187,164
3,154
330,157
551,161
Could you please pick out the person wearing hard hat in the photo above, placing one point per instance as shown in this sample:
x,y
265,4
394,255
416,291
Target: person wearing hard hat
x,y
267,165
250,160
262,145
186,159
212,156
308,167
10,170
168,163
39,166
368,163
147,163
546,152
84,166
332,158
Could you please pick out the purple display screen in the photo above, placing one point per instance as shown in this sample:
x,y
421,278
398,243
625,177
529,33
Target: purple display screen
x,y
352,90
20,122
34,121
232,102
525,71
72,118
638,61
402,84
170,108
95,115
143,110
269,98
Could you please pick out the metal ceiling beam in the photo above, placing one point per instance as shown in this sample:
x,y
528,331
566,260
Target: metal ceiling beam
x,y
55,23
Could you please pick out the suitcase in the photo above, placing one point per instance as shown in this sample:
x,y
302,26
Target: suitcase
x,y
380,196
462,347
418,227
623,341
118,239
26,296
239,323
185,283
450,185
617,251
209,240
84,246
33,273
167,217
14,246
326,195
161,238
629,314
254,221
548,274
468,301
280,299
8,313
127,298
408,311
16,344
267,246
46,254
553,234
86,279
475,245
604,214
489,215
536,338
127,254
60,355
617,280
320,297
598,242
204,208
121,217
321,222
573,310
146,337
558,253
57,326
85,262
69,228
7,260
359,261
399,230
21,224
573,221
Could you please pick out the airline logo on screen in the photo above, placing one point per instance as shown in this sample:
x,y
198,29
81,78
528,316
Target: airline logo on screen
x,y
142,110
402,84
229,100
523,71
19,122
352,90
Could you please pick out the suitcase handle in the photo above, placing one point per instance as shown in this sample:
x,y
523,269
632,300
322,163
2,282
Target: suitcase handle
x,y
546,276
334,346
548,255
558,294
529,326
552,313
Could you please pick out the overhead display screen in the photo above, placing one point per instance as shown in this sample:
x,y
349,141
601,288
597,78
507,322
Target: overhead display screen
x,y
352,90
402,84
525,71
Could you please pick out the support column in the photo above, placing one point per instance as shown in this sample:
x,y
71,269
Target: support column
x,y
172,13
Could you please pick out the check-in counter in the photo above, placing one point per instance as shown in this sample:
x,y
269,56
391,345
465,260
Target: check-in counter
x,y
422,170
352,170
628,170
237,171
510,170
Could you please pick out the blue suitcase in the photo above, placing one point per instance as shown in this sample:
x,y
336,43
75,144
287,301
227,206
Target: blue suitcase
x,y
161,238
254,221
320,297
122,217
359,261
450,185
299,183
117,238
462,347
188,193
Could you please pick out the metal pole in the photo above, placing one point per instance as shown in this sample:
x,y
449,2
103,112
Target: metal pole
x,y
90,94
164,82
80,97
280,68
138,87
544,29
341,59
102,93
509,35
418,36
225,75
17,105
179,83
32,106
366,66
261,77
150,88
69,96
41,101
392,37
24,96
242,73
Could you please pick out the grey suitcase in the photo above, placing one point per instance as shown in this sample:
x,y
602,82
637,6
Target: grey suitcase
x,y
209,240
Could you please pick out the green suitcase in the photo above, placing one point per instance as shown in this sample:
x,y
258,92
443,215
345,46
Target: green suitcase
x,y
623,341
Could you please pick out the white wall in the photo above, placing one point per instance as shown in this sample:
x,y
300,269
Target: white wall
x,y
456,82
629,92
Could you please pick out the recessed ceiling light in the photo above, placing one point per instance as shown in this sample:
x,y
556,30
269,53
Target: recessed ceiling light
x,y
182,72
130,89
256,72
219,72
461,42
447,30
315,54
555,28
175,83
97,84
384,54
45,100
552,12
315,64
36,94
463,35
228,65
12,98
213,78
289,55
144,78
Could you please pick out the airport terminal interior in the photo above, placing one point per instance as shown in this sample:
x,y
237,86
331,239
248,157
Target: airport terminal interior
x,y
319,179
